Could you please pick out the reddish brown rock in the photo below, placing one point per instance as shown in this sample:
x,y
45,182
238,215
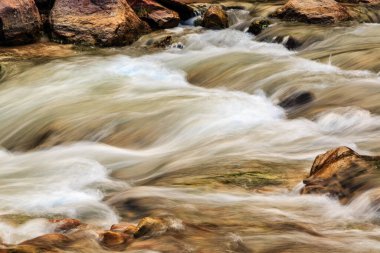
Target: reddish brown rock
x,y
185,11
215,18
64,225
343,174
113,239
156,15
20,22
313,11
96,22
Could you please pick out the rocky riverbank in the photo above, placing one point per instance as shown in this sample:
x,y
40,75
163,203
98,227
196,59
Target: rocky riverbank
x,y
118,23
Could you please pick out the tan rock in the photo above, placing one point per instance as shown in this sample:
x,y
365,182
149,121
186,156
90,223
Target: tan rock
x,y
341,173
149,226
215,18
96,22
126,228
313,11
20,22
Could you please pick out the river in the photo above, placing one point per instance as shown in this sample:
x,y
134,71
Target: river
x,y
194,133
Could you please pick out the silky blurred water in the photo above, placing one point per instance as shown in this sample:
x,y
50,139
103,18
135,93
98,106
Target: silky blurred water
x,y
85,135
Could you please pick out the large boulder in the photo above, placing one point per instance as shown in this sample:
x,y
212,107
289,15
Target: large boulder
x,y
215,18
95,22
185,11
20,22
156,15
313,11
342,173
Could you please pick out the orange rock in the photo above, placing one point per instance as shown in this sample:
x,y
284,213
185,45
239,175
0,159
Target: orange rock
x,y
112,238
215,18
313,11
124,227
67,224
342,173
96,22
20,22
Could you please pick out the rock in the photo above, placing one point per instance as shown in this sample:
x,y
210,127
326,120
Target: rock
x,y
113,239
185,11
342,173
198,22
258,25
20,249
215,18
156,15
64,225
150,227
48,240
297,99
313,11
95,22
126,228
20,22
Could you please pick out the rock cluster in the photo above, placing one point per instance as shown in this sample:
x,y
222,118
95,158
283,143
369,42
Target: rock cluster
x,y
70,231
88,22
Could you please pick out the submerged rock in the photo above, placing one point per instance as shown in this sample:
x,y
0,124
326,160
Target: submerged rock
x,y
95,22
48,240
297,99
64,225
125,227
113,239
313,11
215,18
156,15
20,22
150,227
258,25
342,173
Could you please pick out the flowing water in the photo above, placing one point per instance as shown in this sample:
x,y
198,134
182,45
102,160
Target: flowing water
x,y
192,133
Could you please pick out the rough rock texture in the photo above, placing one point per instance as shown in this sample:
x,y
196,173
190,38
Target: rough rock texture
x,y
20,22
313,11
215,18
156,15
185,11
342,173
96,22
